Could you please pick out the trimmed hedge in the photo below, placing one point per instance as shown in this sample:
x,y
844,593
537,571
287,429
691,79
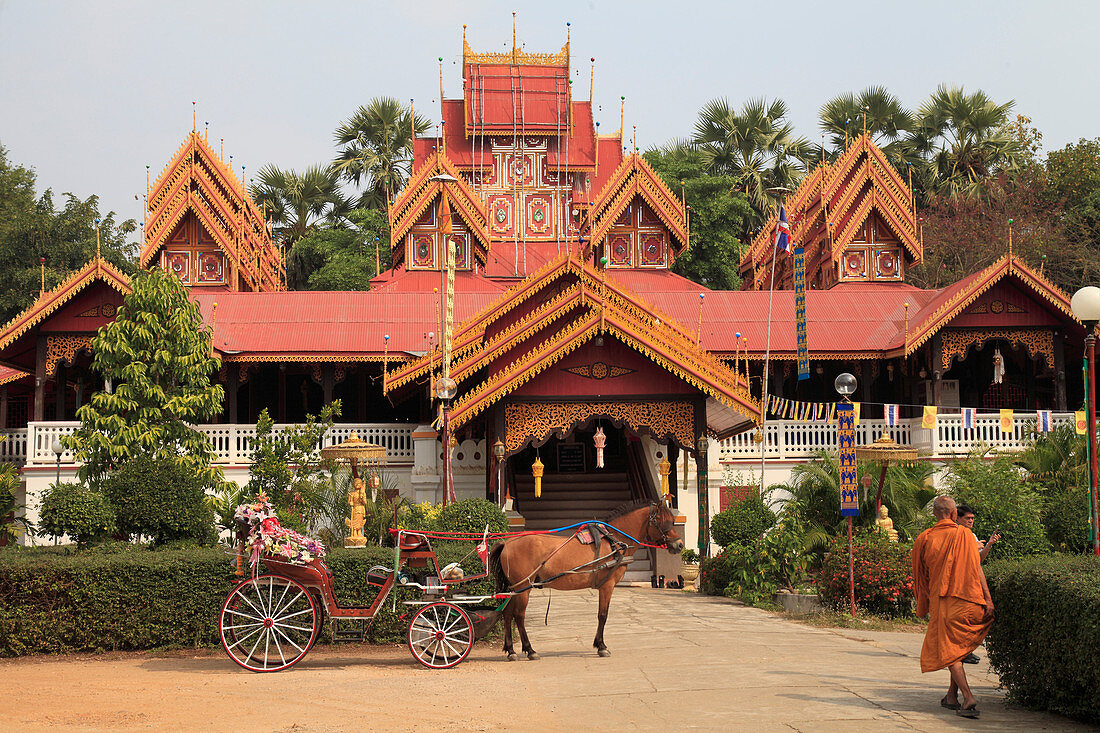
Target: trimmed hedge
x,y
123,597
1045,640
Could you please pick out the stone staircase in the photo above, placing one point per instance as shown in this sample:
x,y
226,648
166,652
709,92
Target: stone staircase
x,y
570,498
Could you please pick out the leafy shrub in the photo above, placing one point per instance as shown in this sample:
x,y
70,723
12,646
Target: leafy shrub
x,y
161,500
741,524
1046,639
118,596
1066,520
1003,501
12,526
78,511
471,516
423,516
716,573
883,574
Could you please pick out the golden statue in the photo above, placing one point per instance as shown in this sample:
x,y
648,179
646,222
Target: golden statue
x,y
886,524
357,500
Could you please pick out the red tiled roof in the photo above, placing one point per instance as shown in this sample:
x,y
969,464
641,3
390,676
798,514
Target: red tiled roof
x,y
503,97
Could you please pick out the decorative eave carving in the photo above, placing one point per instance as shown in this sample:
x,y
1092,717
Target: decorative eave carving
x,y
515,57
635,177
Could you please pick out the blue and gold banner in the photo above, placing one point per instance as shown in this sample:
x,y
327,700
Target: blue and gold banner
x,y
846,442
800,312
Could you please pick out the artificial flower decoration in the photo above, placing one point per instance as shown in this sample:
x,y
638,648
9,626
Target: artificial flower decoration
x,y
267,537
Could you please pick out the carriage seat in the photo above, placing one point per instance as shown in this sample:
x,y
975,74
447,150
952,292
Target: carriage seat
x,y
413,541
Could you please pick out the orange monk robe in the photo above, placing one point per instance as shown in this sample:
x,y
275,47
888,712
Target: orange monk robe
x,y
947,582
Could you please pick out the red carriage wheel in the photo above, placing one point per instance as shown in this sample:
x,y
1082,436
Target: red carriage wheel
x,y
268,623
440,635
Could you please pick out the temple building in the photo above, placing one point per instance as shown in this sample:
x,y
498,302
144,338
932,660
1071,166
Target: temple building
x,y
532,293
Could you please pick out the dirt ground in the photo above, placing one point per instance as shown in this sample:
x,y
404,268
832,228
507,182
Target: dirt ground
x,y
678,661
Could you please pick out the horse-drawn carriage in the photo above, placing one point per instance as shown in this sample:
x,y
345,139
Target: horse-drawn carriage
x,y
270,620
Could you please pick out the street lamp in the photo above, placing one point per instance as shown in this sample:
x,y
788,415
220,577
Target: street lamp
x,y
845,384
1085,305
57,449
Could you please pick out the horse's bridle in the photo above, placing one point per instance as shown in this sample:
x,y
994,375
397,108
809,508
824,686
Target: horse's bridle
x,y
655,523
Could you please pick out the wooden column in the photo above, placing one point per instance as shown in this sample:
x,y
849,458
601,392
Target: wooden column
x,y
361,389
231,391
702,480
1060,402
59,391
937,369
673,482
281,407
79,392
328,382
40,380
3,407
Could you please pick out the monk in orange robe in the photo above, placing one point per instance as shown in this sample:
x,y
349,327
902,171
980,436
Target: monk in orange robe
x,y
950,587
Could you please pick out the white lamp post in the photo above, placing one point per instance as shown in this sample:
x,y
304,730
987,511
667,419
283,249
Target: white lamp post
x,y
57,449
1085,304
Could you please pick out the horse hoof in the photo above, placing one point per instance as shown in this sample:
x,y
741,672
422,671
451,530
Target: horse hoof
x,y
533,656
512,657
603,652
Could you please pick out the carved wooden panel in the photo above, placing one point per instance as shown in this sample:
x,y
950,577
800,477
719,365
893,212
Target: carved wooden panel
x,y
64,348
527,421
1038,342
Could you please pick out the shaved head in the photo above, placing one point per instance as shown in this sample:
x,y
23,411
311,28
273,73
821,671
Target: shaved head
x,y
943,507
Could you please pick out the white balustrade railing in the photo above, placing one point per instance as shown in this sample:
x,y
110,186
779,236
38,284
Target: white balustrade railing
x,y
232,444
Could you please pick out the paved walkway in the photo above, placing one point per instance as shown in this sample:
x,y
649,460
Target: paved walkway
x,y
678,661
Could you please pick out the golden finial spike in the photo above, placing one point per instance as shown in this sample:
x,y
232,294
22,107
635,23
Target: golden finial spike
x,y
42,267
213,323
1010,239
464,37
634,138
515,49
443,122
905,343
97,255
194,118
592,80
622,116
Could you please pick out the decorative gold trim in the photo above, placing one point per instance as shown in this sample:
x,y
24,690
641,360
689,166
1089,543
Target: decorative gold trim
x,y
64,348
309,357
598,370
515,56
535,421
1037,341
15,377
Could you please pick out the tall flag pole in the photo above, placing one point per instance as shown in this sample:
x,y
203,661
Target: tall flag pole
x,y
782,244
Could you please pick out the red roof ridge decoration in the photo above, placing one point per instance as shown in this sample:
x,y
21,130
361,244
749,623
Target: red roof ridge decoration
x,y
421,192
96,269
515,57
224,207
635,177
860,180
957,297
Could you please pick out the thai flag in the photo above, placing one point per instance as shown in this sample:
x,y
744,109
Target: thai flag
x,y
969,415
890,412
783,232
1044,422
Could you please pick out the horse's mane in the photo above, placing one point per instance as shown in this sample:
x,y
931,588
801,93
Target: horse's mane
x,y
627,508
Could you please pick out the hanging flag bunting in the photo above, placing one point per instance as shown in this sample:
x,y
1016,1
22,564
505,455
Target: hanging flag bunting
x,y
846,443
800,312
969,418
1006,421
1080,423
928,421
890,414
832,412
1043,421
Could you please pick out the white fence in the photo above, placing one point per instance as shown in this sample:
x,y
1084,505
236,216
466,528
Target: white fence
x,y
231,443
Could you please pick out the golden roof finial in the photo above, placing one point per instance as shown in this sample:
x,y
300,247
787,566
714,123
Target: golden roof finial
x,y
1010,240
622,115
443,122
97,254
592,80
515,49
213,322
634,138
194,118
42,267
905,342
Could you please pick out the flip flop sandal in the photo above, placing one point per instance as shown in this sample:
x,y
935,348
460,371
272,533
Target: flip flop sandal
x,y
970,712
949,704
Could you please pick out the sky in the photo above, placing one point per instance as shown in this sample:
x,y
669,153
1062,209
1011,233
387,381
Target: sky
x,y
93,92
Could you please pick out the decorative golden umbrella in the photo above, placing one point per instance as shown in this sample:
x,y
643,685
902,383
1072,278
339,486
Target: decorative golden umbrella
x,y
884,450
355,450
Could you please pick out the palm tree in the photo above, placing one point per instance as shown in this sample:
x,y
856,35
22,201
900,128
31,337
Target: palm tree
x,y
756,146
887,121
376,149
962,140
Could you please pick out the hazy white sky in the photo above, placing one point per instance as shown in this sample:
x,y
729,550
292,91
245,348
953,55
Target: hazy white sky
x,y
92,92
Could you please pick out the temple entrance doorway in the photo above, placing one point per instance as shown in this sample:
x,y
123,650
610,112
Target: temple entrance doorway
x,y
575,490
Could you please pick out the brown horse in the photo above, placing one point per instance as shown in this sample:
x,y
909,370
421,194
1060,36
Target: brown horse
x,y
566,563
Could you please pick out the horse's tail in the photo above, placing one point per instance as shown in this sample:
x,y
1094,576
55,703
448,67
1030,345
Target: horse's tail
x,y
497,569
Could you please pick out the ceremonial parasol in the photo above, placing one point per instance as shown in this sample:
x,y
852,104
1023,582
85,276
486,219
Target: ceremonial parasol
x,y
356,450
884,450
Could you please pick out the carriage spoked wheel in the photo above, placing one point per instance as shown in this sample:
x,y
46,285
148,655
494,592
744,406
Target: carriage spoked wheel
x,y
441,635
268,623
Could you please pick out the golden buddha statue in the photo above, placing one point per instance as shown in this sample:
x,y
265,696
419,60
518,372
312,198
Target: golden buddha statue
x,y
357,500
886,524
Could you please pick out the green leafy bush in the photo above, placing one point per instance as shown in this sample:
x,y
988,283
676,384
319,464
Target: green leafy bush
x,y
1066,520
119,596
78,511
716,573
1045,640
741,524
471,516
1003,500
12,525
883,574
161,500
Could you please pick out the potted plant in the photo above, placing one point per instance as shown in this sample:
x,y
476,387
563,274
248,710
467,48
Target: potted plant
x,y
689,565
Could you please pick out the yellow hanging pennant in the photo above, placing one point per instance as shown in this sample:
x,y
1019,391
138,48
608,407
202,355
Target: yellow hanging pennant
x,y
1006,421
537,469
1080,422
928,421
855,407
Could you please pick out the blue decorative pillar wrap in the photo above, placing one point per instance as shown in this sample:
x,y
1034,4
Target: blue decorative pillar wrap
x,y
846,442
800,312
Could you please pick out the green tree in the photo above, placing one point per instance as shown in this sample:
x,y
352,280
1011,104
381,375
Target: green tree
x,y
756,146
342,258
298,201
720,217
962,140
155,358
12,524
376,149
32,227
887,121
